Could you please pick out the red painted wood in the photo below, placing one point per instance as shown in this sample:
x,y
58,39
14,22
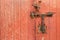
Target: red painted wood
x,y
16,23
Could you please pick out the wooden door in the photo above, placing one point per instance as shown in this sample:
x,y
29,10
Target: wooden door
x,y
16,23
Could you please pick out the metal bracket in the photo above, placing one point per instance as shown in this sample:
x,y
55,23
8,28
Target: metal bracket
x,y
42,27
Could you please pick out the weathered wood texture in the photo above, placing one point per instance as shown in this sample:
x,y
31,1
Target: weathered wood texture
x,y
16,24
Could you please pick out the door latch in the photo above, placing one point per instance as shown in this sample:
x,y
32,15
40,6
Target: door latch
x,y
42,27
35,14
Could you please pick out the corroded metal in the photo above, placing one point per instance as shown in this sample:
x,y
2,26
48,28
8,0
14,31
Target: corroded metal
x,y
42,27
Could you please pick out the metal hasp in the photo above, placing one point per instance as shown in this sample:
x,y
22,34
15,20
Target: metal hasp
x,y
42,26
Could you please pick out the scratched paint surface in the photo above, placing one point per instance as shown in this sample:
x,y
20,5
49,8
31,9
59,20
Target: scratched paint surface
x,y
16,24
